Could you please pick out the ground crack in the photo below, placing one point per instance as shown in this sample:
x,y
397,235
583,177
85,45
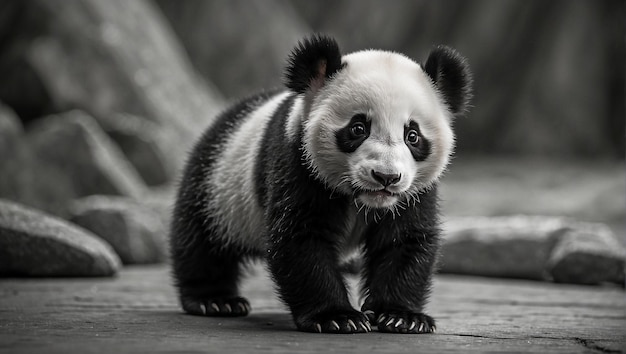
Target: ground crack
x,y
593,346
479,336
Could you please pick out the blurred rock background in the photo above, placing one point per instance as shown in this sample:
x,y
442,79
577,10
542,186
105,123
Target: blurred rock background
x,y
101,100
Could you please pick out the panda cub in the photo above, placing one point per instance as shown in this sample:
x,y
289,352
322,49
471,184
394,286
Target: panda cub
x,y
347,158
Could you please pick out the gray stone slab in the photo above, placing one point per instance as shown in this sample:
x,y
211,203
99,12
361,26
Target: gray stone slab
x,y
138,312
134,230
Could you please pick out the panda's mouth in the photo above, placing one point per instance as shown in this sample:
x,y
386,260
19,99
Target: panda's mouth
x,y
381,198
379,193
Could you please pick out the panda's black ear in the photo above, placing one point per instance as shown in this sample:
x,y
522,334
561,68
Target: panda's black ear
x,y
452,77
312,62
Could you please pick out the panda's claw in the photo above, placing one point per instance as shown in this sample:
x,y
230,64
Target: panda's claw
x,y
318,327
226,307
399,322
347,321
369,314
406,322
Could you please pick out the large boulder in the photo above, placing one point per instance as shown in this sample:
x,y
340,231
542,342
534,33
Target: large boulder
x,y
80,157
135,231
145,145
10,131
240,58
35,244
104,57
64,157
18,166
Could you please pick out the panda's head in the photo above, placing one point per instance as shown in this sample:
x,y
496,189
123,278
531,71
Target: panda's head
x,y
376,125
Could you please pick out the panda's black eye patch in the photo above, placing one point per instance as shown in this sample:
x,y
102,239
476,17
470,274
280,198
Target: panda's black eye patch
x,y
350,137
417,144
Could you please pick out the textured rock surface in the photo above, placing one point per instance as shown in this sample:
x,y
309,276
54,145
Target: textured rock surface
x,y
161,201
19,169
35,244
243,58
10,130
84,156
588,254
143,142
135,231
104,57
533,247
517,247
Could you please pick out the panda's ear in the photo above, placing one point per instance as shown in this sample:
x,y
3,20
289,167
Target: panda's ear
x,y
311,63
452,77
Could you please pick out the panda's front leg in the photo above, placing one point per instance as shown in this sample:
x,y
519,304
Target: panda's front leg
x,y
304,264
399,260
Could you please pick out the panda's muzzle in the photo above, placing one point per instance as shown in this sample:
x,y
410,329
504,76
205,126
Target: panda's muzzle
x,y
386,179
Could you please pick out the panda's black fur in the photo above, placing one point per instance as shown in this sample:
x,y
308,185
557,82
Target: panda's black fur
x,y
307,223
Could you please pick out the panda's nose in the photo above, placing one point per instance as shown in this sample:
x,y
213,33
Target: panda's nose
x,y
386,179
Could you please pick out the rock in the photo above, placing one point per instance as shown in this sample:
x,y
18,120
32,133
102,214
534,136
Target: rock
x,y
17,166
79,152
243,58
533,247
135,231
511,247
35,244
588,254
143,143
105,57
10,131
161,201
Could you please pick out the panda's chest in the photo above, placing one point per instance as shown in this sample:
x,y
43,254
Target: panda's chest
x,y
353,233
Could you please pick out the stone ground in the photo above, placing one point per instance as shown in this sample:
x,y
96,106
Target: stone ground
x,y
137,312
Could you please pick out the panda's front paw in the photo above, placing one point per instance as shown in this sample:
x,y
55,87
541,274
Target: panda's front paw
x,y
405,322
349,321
218,306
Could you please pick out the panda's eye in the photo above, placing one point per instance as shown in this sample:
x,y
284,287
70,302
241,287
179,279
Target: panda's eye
x,y
412,137
358,130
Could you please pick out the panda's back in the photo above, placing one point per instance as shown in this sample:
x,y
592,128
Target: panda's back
x,y
232,202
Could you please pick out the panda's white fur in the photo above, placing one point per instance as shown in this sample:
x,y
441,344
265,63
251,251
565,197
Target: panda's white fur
x,y
234,203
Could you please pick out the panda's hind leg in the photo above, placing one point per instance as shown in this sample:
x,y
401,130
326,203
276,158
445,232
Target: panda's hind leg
x,y
206,272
